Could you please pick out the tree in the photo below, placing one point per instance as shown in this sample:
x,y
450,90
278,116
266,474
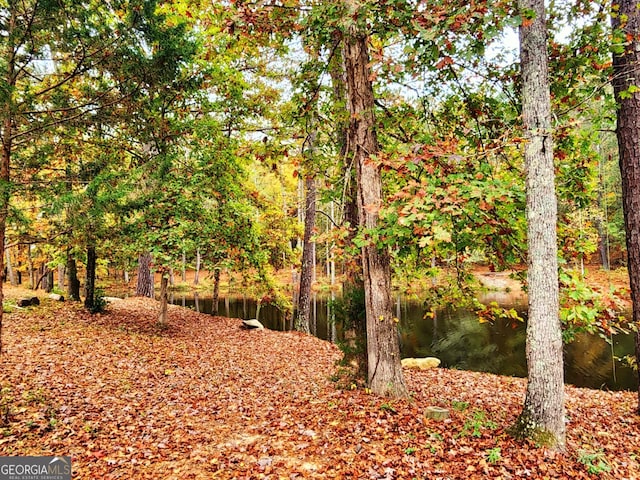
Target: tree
x,y
144,284
542,415
383,352
626,85
308,254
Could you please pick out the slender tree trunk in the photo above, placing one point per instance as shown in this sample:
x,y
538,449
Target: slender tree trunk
x,y
216,291
144,286
302,323
32,273
49,286
73,284
542,416
10,273
90,285
383,349
61,275
196,277
626,68
164,300
184,266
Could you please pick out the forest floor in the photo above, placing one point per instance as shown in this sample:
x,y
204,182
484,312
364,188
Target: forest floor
x,y
203,398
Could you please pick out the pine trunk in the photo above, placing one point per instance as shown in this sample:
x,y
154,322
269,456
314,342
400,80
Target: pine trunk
x,y
627,74
144,286
73,283
542,417
383,350
4,202
90,285
302,323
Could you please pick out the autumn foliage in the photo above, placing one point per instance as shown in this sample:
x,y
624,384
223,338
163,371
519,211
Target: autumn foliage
x,y
203,398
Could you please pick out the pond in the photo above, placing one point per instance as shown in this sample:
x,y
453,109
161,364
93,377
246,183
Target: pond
x,y
459,339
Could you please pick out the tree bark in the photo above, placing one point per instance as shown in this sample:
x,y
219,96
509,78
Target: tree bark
x,y
90,285
383,350
61,274
356,330
164,300
73,284
144,285
302,323
10,273
216,291
626,68
196,277
542,416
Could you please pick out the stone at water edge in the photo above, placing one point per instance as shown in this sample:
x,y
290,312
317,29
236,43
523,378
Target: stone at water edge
x,y
252,324
436,413
421,363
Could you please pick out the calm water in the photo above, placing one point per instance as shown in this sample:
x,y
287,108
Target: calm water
x,y
459,340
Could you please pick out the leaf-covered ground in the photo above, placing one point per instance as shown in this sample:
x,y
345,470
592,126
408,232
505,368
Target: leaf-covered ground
x,y
205,399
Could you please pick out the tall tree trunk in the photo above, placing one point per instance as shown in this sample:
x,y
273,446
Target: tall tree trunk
x,y
196,277
356,330
383,349
626,68
164,299
144,286
184,266
302,323
49,286
73,284
90,285
32,273
216,291
542,415
61,274
7,113
10,273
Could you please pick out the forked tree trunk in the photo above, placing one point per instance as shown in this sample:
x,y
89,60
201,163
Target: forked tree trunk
x,y
144,286
542,416
626,68
302,323
383,350
356,327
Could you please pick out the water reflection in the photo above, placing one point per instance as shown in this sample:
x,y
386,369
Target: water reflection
x,y
457,338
